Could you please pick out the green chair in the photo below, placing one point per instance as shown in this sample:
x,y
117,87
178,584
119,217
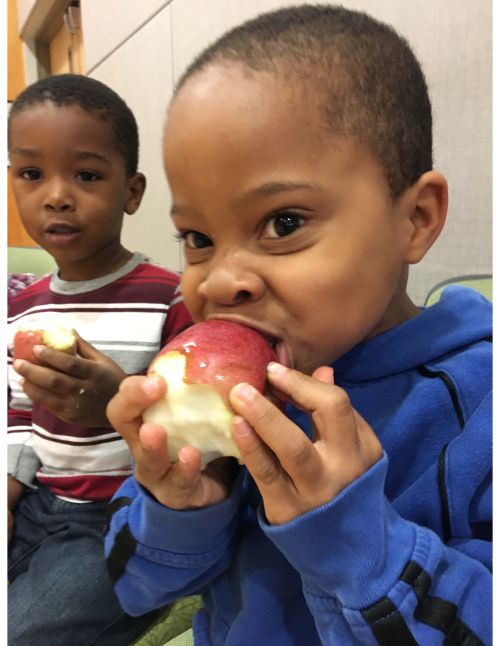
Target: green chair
x,y
482,282
29,260
173,626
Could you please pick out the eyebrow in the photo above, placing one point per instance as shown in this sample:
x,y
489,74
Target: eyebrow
x,y
272,188
264,190
79,154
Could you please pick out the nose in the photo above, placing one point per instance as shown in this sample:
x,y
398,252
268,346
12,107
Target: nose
x,y
232,281
58,196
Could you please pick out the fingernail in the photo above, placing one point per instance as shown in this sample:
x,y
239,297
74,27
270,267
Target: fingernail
x,y
244,391
241,427
275,368
181,456
18,364
150,386
38,349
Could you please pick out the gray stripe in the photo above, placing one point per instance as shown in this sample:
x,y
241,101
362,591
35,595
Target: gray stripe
x,y
22,464
83,286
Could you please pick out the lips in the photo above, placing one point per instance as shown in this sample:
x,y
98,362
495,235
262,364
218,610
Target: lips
x,y
61,228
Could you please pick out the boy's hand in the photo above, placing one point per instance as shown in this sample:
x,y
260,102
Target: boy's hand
x,y
76,389
293,473
181,485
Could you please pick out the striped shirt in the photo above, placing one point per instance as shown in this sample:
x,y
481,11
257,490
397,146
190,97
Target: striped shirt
x,y
128,315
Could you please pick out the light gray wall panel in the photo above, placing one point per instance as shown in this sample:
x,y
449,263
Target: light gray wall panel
x,y
108,23
147,91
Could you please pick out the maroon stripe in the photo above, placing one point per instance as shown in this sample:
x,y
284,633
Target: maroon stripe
x,y
96,488
45,419
22,414
84,443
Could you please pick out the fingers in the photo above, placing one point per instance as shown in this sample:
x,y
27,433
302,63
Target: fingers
x,y
86,349
318,396
172,485
257,456
334,419
293,473
270,444
151,452
48,379
135,394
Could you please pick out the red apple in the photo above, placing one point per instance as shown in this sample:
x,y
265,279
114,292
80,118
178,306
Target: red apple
x,y
55,336
201,365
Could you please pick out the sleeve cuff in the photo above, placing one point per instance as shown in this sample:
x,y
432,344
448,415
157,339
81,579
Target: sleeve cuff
x,y
353,547
187,531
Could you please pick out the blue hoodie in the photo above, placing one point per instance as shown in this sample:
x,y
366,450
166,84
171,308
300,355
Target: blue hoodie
x,y
400,556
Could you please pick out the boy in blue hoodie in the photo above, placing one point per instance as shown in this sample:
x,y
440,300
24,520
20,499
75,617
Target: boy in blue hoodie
x,y
298,149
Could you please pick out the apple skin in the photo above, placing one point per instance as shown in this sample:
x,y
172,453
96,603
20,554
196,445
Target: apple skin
x,y
201,365
56,337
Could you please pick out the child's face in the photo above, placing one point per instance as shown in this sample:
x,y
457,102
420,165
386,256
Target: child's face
x,y
287,227
70,185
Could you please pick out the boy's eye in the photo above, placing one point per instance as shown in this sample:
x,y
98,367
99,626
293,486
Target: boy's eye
x,y
88,176
30,174
283,224
195,240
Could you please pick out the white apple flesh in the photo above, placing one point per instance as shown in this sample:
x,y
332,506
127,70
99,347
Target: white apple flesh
x,y
200,366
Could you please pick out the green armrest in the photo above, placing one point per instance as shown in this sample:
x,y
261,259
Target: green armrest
x,y
483,283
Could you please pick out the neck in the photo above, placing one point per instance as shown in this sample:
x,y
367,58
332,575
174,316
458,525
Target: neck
x,y
102,263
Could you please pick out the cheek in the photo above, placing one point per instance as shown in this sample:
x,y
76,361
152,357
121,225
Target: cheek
x,y
190,281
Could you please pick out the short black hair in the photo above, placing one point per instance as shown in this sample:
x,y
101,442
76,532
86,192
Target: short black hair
x,y
94,97
373,86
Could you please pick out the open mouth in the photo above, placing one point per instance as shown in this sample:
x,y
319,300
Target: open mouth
x,y
281,350
61,228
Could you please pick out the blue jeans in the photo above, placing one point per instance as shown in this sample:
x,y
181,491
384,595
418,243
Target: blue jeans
x,y
60,593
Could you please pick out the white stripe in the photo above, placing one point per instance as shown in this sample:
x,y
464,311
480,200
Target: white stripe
x,y
19,437
99,327
71,474
125,348
52,308
84,457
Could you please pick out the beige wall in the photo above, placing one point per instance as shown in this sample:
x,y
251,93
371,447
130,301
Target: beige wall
x,y
139,48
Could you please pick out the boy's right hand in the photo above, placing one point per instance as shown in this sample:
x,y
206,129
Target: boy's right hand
x,y
179,486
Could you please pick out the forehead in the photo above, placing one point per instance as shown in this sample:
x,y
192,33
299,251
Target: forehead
x,y
243,125
49,126
257,98
223,109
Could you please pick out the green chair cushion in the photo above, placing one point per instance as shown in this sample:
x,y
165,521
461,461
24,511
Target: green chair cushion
x,y
173,624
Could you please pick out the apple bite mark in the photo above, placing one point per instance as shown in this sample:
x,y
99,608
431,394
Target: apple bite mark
x,y
55,336
200,366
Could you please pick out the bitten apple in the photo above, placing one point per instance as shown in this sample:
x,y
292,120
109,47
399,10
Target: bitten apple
x,y
54,335
201,365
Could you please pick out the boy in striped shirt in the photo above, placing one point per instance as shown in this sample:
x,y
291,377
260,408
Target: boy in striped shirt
x,y
73,146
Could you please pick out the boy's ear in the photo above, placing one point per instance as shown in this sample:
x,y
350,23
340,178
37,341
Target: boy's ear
x,y
428,205
136,188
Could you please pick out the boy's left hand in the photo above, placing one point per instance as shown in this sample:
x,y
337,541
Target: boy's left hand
x,y
76,389
293,473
